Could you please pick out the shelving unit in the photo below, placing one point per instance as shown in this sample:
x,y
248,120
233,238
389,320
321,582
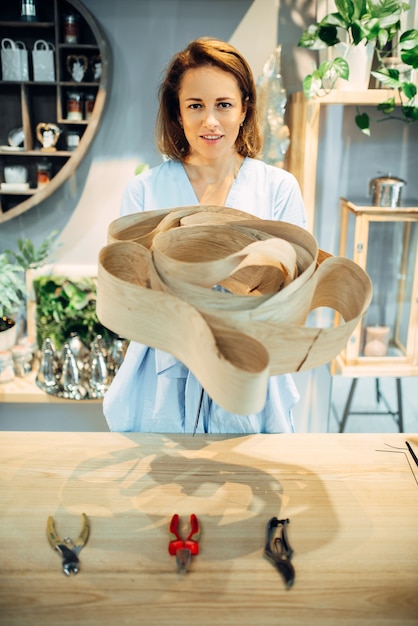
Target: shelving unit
x,y
384,242
360,224
303,121
25,104
302,160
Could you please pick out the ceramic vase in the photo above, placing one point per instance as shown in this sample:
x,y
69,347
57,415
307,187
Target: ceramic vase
x,y
8,338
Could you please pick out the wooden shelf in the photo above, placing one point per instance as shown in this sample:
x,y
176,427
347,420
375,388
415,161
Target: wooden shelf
x,y
24,104
27,192
407,208
25,25
39,154
373,368
370,97
25,390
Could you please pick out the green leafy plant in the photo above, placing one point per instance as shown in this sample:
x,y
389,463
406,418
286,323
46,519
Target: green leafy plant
x,y
29,257
13,266
12,289
65,306
362,21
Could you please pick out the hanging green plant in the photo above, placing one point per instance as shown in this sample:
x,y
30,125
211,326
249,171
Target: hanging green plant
x,y
358,22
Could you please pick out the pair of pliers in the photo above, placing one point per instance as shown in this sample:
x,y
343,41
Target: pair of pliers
x,y
184,549
68,549
278,550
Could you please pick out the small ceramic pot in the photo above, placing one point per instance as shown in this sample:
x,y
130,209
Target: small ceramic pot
x,y
8,337
15,174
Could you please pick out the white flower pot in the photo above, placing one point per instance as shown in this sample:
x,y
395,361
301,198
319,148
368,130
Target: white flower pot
x,y
8,338
359,59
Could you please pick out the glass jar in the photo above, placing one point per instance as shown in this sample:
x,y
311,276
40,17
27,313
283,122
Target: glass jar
x,y
89,106
73,139
32,347
7,372
22,360
74,105
28,11
43,174
71,28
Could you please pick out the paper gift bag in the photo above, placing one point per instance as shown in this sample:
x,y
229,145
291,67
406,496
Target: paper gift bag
x,y
11,60
43,61
24,62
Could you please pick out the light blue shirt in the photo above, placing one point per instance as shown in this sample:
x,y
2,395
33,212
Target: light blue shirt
x,y
154,392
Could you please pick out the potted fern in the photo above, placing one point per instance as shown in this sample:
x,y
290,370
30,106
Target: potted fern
x,y
358,23
13,293
12,290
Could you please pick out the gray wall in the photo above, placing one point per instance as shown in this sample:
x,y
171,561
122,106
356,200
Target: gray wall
x,y
143,34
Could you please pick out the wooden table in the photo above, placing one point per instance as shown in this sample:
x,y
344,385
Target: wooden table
x,y
352,501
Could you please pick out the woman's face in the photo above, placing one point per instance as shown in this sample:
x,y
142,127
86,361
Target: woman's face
x,y
211,112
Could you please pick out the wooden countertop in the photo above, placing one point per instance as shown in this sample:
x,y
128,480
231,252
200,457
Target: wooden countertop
x,y
352,501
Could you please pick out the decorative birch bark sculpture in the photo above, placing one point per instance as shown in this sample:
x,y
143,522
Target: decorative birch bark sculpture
x,y
156,284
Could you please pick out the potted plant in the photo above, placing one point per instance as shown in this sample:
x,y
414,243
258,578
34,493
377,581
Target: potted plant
x,y
67,305
12,290
357,23
13,293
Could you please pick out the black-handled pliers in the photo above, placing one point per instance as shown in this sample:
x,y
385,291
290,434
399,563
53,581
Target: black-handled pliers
x,y
278,550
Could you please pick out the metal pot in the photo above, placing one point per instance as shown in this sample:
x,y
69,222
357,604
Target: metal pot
x,y
386,190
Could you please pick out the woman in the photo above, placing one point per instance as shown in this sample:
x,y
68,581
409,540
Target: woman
x,y
207,130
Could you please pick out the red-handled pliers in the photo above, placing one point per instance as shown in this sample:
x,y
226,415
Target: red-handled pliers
x,y
184,549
